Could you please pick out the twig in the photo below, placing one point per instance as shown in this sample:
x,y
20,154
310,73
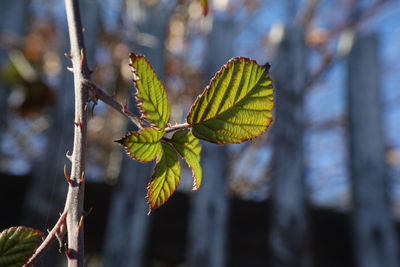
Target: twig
x,y
177,127
327,61
103,96
75,197
99,93
57,232
308,14
329,58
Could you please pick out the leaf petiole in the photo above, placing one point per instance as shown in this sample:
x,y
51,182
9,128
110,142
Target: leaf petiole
x,y
177,127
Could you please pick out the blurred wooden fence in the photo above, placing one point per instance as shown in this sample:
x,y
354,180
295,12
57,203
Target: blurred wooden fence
x,y
214,229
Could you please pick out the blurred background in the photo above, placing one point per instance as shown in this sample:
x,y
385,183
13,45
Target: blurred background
x,y
321,188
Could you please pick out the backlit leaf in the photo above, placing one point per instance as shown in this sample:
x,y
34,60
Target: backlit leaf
x,y
165,178
188,146
17,244
143,145
237,104
151,96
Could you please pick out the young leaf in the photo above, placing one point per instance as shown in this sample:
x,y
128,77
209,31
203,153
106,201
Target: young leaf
x,y
165,178
151,95
17,244
189,148
236,106
143,145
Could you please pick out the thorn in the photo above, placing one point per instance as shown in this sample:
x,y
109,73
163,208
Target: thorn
x,y
80,225
68,156
70,69
124,108
67,177
91,111
88,212
62,229
60,242
68,253
82,57
67,55
82,179
79,124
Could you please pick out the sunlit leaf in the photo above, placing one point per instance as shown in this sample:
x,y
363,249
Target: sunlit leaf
x,y
165,178
237,104
17,244
151,95
143,145
189,148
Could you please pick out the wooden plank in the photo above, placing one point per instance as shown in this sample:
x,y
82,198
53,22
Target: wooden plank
x,y
289,239
375,243
209,208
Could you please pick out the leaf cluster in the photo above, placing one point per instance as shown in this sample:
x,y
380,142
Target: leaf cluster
x,y
236,106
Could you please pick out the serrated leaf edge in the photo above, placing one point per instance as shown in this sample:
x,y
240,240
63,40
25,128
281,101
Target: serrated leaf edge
x,y
139,101
148,195
40,234
267,66
121,142
195,187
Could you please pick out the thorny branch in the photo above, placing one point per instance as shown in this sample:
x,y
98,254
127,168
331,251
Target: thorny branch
x,y
57,232
98,93
75,197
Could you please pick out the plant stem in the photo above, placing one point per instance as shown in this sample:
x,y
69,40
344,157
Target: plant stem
x,y
177,127
75,197
72,216
57,232
98,93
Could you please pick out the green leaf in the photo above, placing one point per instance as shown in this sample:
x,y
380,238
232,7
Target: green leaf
x,y
189,148
237,104
204,5
165,178
143,145
151,96
17,244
